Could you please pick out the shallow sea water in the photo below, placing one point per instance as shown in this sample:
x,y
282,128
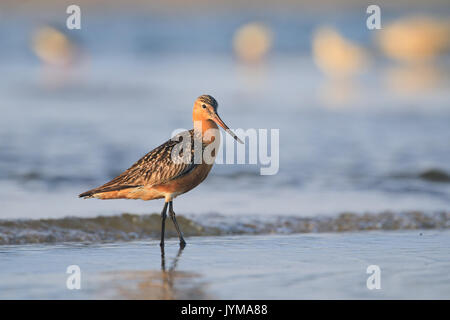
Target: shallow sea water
x,y
413,264
63,132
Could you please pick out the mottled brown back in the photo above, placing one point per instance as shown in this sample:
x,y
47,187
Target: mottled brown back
x,y
156,167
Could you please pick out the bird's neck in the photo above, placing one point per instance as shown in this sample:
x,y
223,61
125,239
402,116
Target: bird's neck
x,y
208,129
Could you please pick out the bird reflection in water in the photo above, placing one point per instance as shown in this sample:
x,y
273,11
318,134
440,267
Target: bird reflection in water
x,y
164,284
168,275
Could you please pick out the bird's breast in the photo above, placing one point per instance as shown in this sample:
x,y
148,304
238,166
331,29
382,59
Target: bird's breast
x,y
184,183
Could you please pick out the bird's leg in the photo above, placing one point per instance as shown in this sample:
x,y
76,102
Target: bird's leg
x,y
174,219
163,223
163,260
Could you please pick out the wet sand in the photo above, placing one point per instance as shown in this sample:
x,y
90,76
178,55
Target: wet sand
x,y
127,227
414,265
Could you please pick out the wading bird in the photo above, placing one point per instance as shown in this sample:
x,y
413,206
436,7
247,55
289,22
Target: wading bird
x,y
159,174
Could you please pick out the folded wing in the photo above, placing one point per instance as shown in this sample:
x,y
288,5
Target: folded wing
x,y
156,167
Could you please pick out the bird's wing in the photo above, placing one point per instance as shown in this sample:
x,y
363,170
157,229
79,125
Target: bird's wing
x,y
156,167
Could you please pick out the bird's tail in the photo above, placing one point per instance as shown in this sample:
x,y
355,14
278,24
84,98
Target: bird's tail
x,y
91,193
87,194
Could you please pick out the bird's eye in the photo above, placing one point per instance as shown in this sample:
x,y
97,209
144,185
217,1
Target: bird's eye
x,y
204,106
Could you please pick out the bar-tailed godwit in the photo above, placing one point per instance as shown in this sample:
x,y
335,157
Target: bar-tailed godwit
x,y
156,175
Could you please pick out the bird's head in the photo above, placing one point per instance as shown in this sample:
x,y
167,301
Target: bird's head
x,y
205,108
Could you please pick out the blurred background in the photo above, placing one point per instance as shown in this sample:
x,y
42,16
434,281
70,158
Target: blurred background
x,y
363,114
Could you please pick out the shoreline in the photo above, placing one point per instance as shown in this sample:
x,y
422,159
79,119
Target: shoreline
x,y
131,227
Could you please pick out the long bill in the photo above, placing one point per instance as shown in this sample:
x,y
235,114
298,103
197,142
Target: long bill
x,y
219,121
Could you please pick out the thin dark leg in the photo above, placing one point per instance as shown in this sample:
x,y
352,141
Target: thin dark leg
x,y
163,223
163,259
177,227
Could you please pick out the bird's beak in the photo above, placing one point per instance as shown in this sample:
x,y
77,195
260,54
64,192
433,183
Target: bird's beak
x,y
219,121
